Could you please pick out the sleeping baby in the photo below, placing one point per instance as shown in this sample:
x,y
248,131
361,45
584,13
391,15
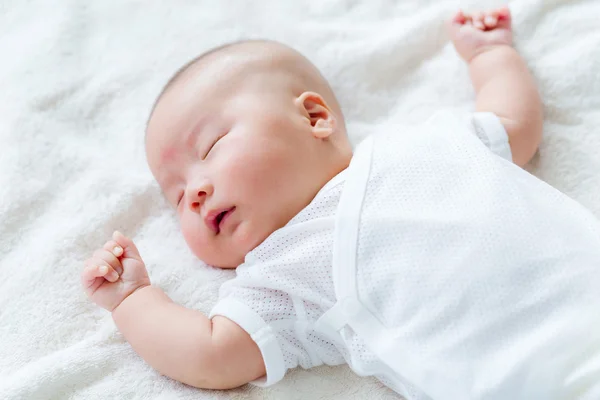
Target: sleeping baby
x,y
429,259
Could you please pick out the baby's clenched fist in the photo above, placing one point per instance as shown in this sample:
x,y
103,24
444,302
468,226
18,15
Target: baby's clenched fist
x,y
473,34
114,272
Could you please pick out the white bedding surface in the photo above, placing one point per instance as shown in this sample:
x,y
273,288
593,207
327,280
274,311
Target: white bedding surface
x,y
77,80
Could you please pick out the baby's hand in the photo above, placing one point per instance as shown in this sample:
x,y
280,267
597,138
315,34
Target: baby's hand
x,y
114,272
476,33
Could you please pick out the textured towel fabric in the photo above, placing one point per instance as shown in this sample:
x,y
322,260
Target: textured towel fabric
x,y
76,82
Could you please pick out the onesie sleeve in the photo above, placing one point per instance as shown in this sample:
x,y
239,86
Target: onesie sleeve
x,y
262,334
489,129
269,317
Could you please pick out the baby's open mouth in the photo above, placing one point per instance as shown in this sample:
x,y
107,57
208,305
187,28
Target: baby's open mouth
x,y
216,219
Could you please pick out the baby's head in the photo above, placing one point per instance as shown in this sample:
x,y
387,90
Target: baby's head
x,y
240,141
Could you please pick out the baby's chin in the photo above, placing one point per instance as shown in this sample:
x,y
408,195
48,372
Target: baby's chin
x,y
223,261
244,239
226,266
230,259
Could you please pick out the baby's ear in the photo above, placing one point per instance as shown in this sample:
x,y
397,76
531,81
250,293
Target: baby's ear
x,y
318,113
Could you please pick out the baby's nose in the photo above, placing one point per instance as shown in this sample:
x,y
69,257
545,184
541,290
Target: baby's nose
x,y
197,196
197,202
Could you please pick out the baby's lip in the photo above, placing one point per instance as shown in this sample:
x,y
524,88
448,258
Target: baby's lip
x,y
214,218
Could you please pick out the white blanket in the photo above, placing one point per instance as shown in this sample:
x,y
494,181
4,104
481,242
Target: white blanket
x,y
77,80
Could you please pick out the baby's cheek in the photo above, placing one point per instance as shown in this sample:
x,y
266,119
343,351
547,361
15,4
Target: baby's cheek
x,y
248,173
194,239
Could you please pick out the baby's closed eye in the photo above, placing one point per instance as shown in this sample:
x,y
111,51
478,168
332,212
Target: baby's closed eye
x,y
213,145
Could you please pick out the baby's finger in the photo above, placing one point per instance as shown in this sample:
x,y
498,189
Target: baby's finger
x,y
110,259
454,24
129,248
458,18
114,248
111,274
490,21
91,272
91,285
478,20
504,17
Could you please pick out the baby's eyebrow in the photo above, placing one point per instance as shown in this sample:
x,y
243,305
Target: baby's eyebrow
x,y
191,137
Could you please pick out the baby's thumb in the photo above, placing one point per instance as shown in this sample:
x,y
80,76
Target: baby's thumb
x,y
129,248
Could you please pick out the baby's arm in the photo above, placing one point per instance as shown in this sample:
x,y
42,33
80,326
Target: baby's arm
x,y
185,345
501,79
180,343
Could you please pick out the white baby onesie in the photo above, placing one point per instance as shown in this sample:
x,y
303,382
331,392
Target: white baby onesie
x,y
437,266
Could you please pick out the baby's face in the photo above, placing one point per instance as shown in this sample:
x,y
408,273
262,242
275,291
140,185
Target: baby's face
x,y
232,158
